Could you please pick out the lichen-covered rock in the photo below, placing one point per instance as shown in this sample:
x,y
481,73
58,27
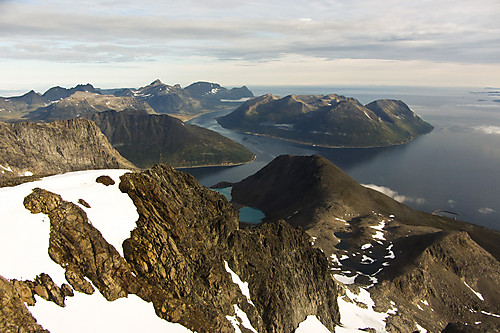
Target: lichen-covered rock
x,y
79,247
14,316
184,234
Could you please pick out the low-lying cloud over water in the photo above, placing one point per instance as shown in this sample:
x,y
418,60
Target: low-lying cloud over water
x,y
488,129
486,210
395,195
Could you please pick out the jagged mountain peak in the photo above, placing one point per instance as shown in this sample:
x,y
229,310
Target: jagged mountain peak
x,y
156,82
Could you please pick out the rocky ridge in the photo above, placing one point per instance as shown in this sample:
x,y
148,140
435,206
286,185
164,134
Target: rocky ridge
x,y
182,256
28,149
84,104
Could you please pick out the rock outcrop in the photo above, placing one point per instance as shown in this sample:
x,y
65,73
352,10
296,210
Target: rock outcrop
x,y
14,316
41,149
180,247
186,256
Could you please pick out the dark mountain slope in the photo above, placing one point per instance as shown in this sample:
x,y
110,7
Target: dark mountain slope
x,y
330,120
306,190
436,270
70,145
149,139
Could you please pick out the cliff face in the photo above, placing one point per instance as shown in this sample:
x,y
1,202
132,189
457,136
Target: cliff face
x,y
57,147
149,139
330,120
186,255
434,270
190,234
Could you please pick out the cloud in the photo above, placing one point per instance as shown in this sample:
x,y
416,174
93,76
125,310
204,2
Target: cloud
x,y
257,30
488,129
486,210
395,195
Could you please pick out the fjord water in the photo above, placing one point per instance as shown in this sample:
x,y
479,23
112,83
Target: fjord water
x,y
455,168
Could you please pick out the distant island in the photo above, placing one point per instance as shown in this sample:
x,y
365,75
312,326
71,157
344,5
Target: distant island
x,y
328,120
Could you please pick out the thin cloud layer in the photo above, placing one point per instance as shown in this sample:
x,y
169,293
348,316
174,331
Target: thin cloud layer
x,y
257,30
382,42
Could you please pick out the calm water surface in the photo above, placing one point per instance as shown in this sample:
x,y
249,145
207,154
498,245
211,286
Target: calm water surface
x,y
456,167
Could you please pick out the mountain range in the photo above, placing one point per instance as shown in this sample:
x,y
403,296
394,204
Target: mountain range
x,y
136,123
327,120
183,103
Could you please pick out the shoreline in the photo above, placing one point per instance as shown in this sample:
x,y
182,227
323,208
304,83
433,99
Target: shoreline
x,y
322,145
215,165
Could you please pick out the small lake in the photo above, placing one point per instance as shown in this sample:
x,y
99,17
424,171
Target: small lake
x,y
246,214
456,167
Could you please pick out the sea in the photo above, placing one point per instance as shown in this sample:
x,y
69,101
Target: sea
x,y
455,168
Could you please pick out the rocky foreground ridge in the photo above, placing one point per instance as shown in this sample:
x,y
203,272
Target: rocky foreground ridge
x,y
178,257
28,149
436,271
328,120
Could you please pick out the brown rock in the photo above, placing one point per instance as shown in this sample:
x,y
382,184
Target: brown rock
x,y
83,203
14,316
105,180
75,243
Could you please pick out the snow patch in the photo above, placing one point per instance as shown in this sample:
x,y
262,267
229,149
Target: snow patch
x,y
112,213
236,279
367,260
311,324
490,314
122,315
420,328
353,318
344,279
243,320
6,169
475,292
366,246
391,254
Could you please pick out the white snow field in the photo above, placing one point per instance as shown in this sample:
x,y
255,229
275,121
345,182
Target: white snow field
x,y
24,240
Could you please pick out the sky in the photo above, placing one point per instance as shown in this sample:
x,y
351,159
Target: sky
x,y
130,43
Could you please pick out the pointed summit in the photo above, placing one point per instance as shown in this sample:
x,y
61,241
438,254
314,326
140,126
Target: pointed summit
x,y
156,82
